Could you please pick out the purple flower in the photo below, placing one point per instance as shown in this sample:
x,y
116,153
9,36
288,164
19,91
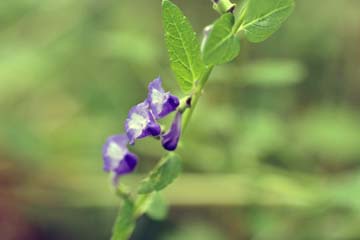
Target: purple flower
x,y
171,138
161,103
140,123
117,158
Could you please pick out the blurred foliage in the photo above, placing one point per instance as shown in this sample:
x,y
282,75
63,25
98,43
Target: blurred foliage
x,y
273,151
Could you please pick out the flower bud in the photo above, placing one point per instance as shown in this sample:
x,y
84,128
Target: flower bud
x,y
170,139
224,6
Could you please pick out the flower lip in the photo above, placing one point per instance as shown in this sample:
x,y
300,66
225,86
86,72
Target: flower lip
x,y
117,158
170,139
127,165
140,123
173,101
154,129
161,103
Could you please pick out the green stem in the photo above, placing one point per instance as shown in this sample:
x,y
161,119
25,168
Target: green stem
x,y
196,96
141,203
240,19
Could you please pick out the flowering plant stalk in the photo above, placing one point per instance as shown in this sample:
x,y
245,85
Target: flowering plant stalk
x,y
192,62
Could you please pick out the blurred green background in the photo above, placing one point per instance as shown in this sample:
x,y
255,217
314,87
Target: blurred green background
x,y
273,151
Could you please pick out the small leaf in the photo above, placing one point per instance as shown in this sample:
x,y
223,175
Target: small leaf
x,y
222,45
183,46
163,175
263,17
125,222
157,209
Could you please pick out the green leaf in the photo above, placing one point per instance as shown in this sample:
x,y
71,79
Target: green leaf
x,y
183,46
163,175
261,18
125,222
157,209
222,45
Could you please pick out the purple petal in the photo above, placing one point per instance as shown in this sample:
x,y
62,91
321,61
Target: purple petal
x,y
169,105
127,165
114,151
170,139
153,129
161,103
140,123
116,156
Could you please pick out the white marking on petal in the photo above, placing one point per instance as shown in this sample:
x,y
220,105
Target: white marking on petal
x,y
116,153
157,98
137,123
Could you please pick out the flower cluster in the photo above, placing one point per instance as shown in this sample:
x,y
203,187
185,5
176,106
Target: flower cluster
x,y
142,122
